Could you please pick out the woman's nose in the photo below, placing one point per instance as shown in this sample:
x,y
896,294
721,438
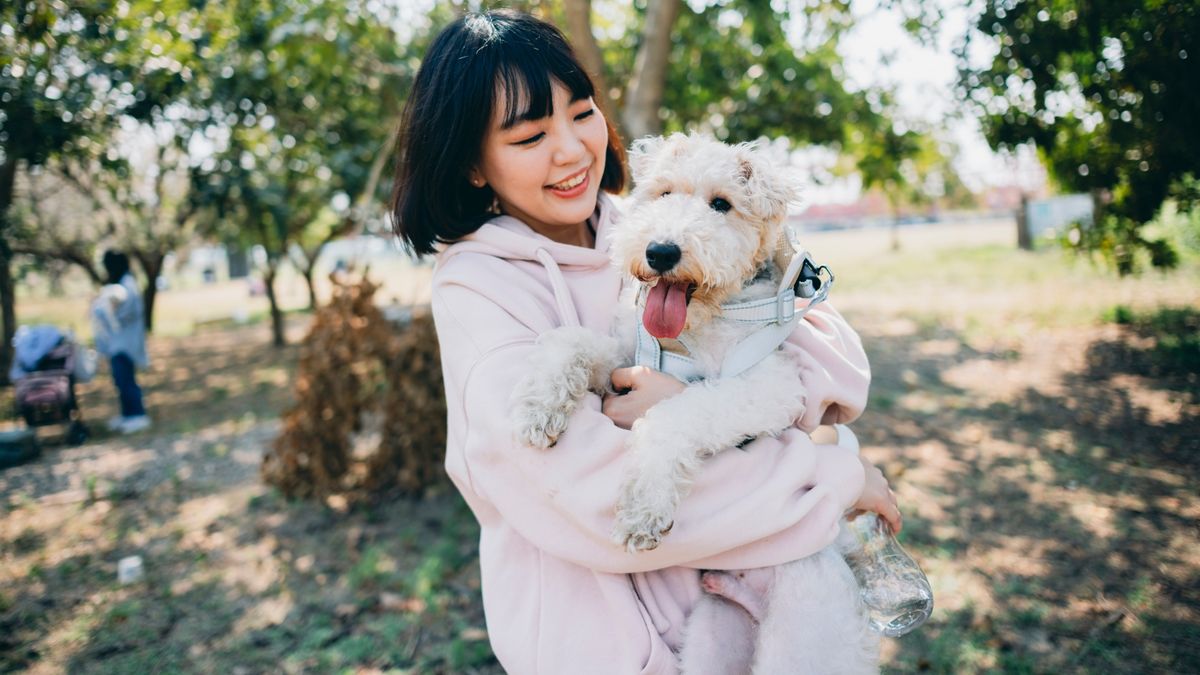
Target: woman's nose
x,y
570,148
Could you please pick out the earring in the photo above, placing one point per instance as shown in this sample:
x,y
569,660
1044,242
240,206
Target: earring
x,y
478,182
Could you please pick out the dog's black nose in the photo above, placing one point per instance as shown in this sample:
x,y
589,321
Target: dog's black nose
x,y
662,257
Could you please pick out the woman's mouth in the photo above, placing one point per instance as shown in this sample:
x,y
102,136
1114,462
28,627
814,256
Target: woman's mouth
x,y
572,186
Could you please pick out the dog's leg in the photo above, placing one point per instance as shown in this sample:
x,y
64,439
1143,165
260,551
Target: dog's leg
x,y
571,362
746,588
815,622
718,639
674,437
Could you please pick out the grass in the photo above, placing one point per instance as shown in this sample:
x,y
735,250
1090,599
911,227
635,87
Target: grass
x,y
1035,414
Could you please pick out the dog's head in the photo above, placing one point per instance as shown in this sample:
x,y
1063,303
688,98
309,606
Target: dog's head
x,y
704,218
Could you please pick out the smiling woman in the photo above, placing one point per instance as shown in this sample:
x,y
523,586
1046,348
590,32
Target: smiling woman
x,y
501,116
546,170
503,165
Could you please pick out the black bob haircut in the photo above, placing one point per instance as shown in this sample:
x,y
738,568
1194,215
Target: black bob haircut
x,y
450,109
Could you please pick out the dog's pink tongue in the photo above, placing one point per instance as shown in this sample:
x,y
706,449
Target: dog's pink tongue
x,y
666,310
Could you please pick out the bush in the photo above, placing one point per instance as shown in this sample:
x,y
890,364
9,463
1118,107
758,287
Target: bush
x,y
371,409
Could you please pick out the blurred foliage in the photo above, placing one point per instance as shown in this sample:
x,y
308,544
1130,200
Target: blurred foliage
x,y
1107,92
68,71
297,104
738,76
1172,236
733,72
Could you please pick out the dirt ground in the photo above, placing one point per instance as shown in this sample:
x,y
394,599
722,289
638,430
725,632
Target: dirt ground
x,y
1038,419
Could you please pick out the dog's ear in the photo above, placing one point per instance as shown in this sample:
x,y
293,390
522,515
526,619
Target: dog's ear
x,y
784,251
642,154
769,189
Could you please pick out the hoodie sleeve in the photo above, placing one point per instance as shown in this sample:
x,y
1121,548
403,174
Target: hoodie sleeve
x,y
836,373
777,500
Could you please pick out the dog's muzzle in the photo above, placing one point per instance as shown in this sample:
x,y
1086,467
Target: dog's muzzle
x,y
661,257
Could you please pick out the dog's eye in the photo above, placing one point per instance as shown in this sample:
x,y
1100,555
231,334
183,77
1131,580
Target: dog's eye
x,y
720,205
664,193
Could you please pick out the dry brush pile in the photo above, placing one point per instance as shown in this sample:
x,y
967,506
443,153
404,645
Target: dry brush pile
x,y
370,411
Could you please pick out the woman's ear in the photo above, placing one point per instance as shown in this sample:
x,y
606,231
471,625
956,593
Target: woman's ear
x,y
475,177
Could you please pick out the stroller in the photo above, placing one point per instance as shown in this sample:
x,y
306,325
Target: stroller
x,y
44,375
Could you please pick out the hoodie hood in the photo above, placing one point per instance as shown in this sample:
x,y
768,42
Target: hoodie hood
x,y
508,238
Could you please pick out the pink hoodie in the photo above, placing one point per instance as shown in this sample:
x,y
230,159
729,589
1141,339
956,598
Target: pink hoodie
x,y
559,596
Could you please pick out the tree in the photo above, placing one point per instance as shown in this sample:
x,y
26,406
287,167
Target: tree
x,y
46,223
1107,92
309,244
49,109
728,68
302,100
133,197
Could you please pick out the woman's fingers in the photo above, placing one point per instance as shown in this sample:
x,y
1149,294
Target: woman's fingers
x,y
624,379
893,518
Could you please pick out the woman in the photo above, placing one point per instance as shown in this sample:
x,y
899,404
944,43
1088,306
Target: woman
x,y
503,159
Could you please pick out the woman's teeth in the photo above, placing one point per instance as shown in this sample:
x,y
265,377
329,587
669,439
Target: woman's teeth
x,y
570,182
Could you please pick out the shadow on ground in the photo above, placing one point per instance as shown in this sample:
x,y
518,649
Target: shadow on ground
x,y
1055,515
237,579
1046,485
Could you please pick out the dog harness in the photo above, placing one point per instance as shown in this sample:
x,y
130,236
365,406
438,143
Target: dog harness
x,y
776,317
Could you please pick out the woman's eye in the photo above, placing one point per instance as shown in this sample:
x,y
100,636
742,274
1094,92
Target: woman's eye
x,y
585,114
665,193
720,205
531,140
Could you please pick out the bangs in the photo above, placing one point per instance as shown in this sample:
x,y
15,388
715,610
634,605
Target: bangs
x,y
524,81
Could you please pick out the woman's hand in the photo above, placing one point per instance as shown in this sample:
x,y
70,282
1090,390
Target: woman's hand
x,y
877,497
643,387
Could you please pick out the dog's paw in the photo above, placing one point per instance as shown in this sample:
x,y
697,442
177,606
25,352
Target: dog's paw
x,y
715,582
539,427
643,534
541,408
644,516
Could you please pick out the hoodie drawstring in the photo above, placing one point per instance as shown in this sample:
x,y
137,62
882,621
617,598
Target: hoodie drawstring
x,y
566,308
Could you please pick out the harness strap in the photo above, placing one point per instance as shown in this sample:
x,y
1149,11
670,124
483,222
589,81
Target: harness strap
x,y
777,315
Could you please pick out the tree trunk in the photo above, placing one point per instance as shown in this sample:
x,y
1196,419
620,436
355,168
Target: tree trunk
x,y
152,263
277,337
1024,241
644,96
309,270
8,304
579,29
306,264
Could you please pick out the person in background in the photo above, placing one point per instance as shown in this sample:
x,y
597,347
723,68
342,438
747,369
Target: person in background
x,y
119,327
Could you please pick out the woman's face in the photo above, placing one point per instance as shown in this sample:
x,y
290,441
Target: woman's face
x,y
546,172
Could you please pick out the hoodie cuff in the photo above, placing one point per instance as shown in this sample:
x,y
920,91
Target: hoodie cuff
x,y
843,473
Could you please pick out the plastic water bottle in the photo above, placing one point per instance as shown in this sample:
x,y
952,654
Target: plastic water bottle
x,y
895,591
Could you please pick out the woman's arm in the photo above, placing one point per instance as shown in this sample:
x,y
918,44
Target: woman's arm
x,y
778,500
835,371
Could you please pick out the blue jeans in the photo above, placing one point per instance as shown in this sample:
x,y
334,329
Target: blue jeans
x,y
127,386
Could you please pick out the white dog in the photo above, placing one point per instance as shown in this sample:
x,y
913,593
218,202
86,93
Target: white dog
x,y
704,236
